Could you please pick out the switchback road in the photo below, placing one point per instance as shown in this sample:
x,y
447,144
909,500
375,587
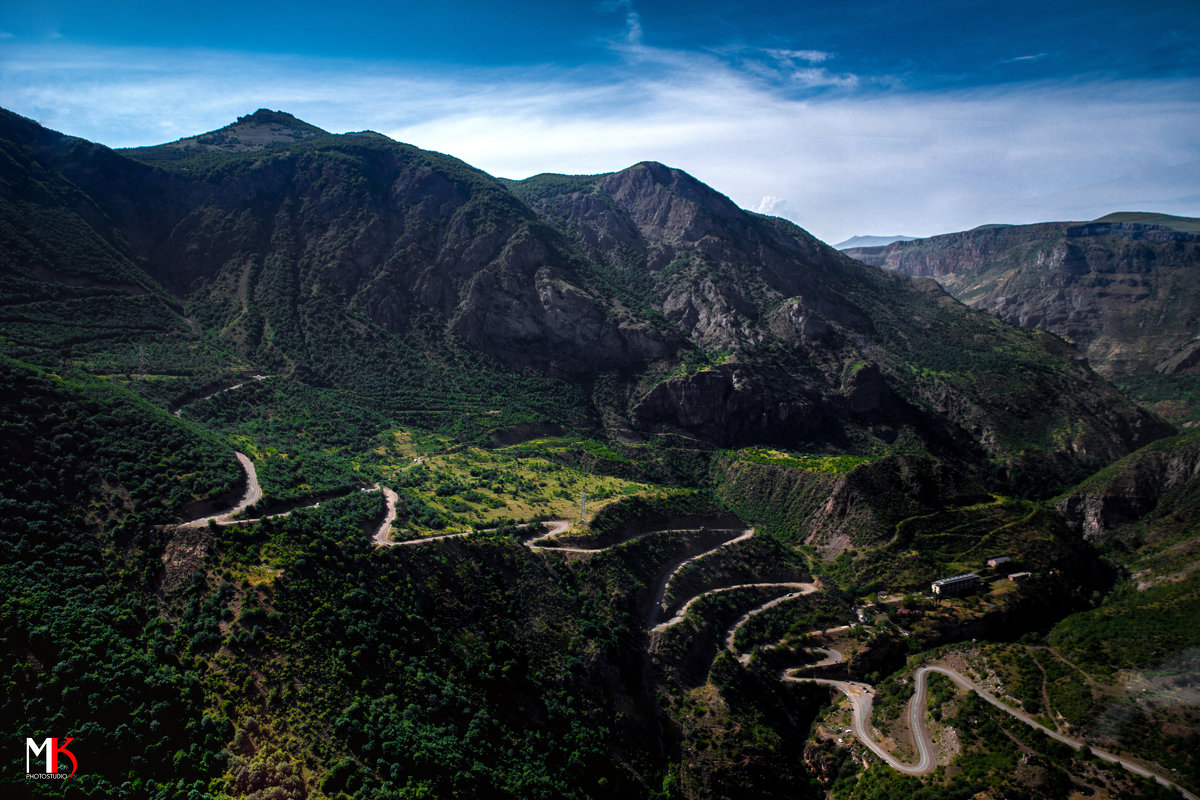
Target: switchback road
x,y
861,694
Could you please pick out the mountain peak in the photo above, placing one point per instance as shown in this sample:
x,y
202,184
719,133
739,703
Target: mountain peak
x,y
265,116
252,132
659,196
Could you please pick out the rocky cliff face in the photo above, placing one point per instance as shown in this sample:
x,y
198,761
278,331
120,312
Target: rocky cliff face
x,y
1157,480
834,511
1123,292
799,343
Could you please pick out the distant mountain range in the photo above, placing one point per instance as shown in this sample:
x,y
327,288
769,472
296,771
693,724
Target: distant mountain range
x,y
1121,288
870,241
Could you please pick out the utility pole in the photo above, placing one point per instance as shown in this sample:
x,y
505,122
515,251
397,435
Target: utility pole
x,y
582,505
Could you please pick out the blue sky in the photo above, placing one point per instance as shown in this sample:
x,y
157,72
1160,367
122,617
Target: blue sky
x,y
848,118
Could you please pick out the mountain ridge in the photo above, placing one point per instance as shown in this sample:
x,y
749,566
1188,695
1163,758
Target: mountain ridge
x,y
870,241
252,132
1121,288
709,321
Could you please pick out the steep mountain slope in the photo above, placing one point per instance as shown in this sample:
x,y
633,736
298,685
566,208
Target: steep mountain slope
x,y
1157,484
392,233
798,338
639,303
1123,288
67,278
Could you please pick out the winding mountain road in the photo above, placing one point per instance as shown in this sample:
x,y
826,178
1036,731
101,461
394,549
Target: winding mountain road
x,y
666,587
385,528
801,588
179,411
804,588
251,496
557,526
861,700
861,694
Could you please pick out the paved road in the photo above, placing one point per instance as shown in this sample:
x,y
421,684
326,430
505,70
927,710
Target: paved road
x,y
861,701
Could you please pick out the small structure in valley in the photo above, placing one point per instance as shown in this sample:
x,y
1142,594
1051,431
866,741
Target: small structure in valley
x,y
996,561
959,584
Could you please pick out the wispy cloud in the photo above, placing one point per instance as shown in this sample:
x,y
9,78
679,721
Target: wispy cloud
x,y
811,56
633,21
1020,59
855,160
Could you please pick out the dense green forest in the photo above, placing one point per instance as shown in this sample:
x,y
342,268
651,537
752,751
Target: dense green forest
x,y
89,474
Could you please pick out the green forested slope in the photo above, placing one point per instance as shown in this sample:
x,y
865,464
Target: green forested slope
x,y
86,470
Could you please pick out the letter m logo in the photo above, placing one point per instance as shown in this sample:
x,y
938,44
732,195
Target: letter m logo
x,y
51,748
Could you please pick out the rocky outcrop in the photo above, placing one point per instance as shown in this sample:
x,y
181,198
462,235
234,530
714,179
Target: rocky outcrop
x,y
864,388
183,556
728,407
1154,479
834,511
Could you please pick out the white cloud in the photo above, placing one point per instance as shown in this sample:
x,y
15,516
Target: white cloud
x,y
633,27
811,56
844,160
770,204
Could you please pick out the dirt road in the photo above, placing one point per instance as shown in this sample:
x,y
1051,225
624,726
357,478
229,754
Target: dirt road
x,y
251,496
861,699
385,527
557,526
801,588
